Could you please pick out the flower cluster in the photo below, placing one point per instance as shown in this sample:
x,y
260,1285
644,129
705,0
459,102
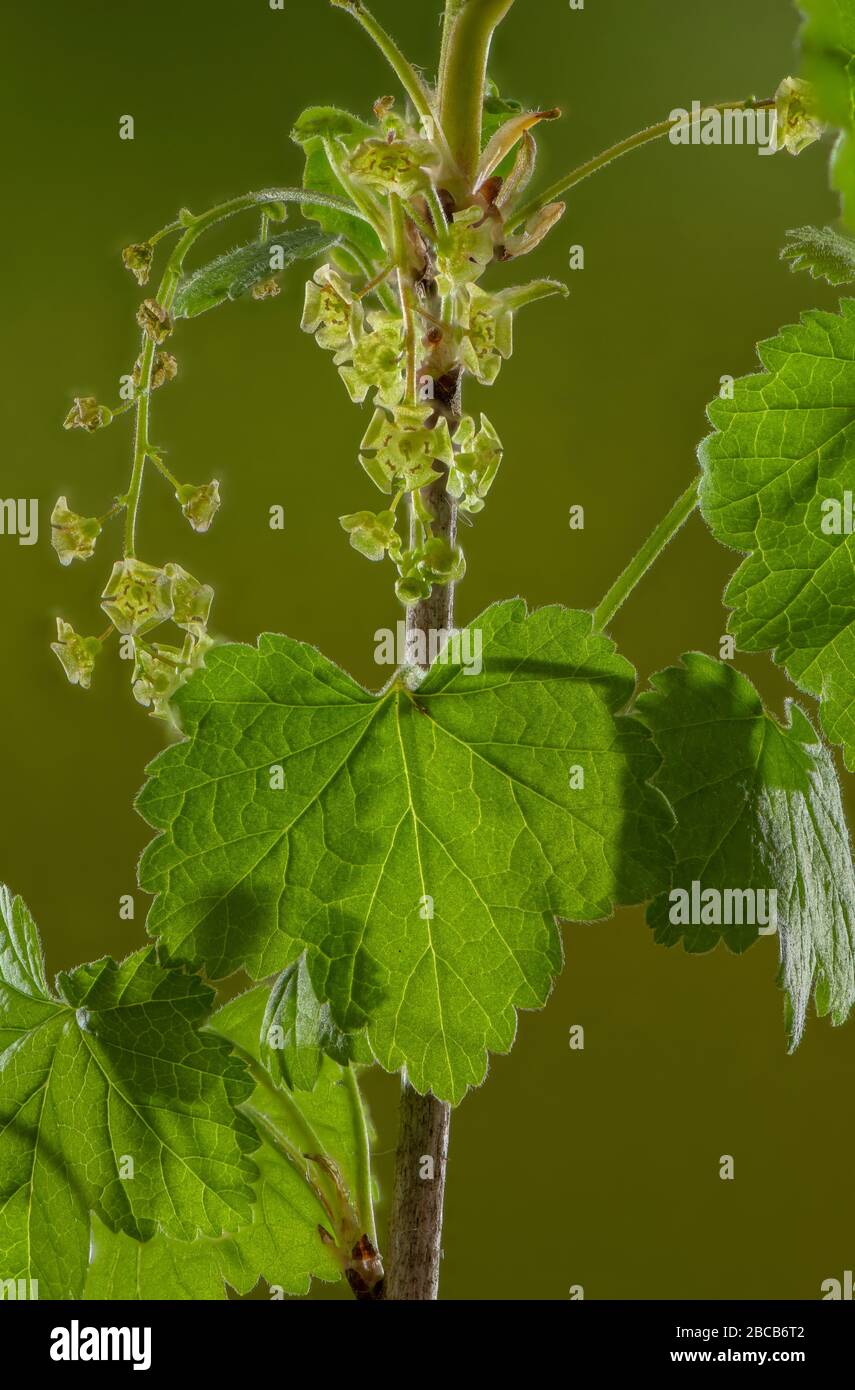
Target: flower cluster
x,y
139,597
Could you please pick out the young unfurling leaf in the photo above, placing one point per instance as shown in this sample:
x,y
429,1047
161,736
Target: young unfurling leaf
x,y
822,251
317,125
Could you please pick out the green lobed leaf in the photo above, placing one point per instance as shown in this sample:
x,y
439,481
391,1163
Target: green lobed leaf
x,y
298,1031
779,473
315,125
235,273
111,1068
281,1243
453,799
825,253
828,46
758,808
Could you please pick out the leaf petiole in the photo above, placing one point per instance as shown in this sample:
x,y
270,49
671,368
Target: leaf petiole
x,y
600,161
647,555
364,1194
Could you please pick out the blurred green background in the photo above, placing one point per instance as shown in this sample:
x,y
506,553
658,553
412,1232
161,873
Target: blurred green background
x,y
599,1167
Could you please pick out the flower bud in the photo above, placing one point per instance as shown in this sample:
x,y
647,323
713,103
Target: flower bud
x,y
73,537
375,359
77,654
539,226
440,562
200,504
137,597
87,414
138,259
412,588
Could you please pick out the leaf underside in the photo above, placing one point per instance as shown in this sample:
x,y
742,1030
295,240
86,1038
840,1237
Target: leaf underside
x,y
424,839
758,807
778,470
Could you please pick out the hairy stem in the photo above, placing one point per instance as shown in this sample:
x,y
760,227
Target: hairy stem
x,y
467,35
600,161
400,65
649,552
194,227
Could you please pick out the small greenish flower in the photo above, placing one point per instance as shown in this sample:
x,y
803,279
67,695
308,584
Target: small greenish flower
x,y
375,360
401,450
191,600
77,654
73,537
158,672
394,166
266,289
476,463
137,597
331,312
200,504
138,259
797,123
468,252
164,368
154,320
488,334
87,414
372,534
